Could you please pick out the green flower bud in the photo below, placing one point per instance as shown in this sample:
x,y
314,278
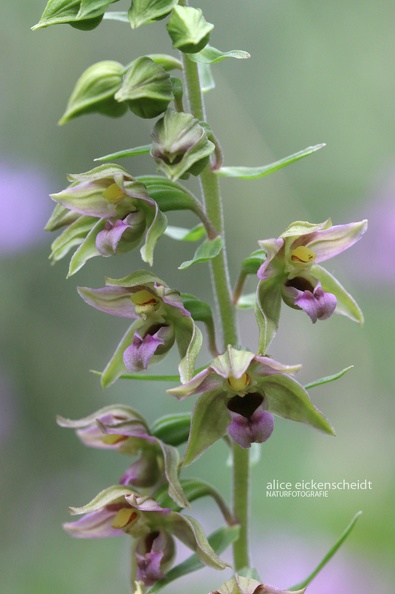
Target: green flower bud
x,y
180,145
94,92
188,29
146,88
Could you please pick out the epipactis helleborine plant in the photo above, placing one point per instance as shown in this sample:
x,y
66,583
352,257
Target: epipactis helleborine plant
x,y
108,211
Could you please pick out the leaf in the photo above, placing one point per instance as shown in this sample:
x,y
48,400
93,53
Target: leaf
x,y
346,304
182,234
171,463
116,15
211,55
207,81
246,301
207,250
253,262
257,172
327,379
219,540
133,152
169,195
154,232
199,310
328,556
196,488
172,429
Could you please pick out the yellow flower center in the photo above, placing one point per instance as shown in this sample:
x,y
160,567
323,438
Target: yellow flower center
x,y
145,302
114,194
113,439
123,517
239,383
302,254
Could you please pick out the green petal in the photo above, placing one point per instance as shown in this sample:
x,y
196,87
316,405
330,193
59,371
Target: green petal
x,y
210,419
346,304
182,234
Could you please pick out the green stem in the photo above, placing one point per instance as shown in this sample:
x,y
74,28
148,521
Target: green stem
x,y
221,284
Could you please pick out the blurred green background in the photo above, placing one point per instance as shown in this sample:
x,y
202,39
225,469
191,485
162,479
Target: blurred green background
x,y
319,72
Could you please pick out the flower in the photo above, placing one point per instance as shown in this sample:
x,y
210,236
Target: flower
x,y
291,273
118,510
240,393
121,428
160,320
244,585
105,212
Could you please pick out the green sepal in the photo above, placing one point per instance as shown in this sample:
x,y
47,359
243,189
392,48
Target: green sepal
x,y
211,55
60,217
257,172
254,261
189,342
346,304
267,311
133,152
72,236
156,226
145,11
116,367
171,460
188,29
138,277
105,497
172,429
189,532
219,540
87,249
168,194
327,379
327,557
82,14
94,92
286,398
208,250
182,234
210,420
146,88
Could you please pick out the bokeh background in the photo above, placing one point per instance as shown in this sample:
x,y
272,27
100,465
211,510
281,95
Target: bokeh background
x,y
319,72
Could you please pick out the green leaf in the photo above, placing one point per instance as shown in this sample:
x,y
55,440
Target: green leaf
x,y
206,77
182,234
327,379
207,250
257,172
133,152
267,311
246,301
219,540
169,195
253,262
157,226
120,16
328,556
211,55
171,459
199,310
146,377
172,429
346,304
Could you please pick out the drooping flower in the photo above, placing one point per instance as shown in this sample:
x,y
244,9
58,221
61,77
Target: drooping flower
x,y
160,320
291,272
105,212
240,393
118,510
121,428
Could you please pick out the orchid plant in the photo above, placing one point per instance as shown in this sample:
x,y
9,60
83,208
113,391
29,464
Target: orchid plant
x,y
106,211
